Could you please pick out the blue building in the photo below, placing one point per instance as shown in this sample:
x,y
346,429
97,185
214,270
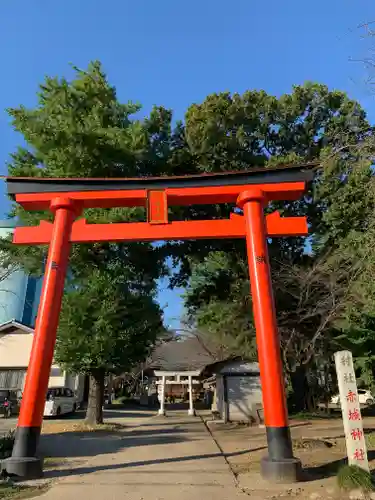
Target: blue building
x,y
19,292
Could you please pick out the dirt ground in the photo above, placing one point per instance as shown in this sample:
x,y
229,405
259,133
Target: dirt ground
x,y
71,450
319,444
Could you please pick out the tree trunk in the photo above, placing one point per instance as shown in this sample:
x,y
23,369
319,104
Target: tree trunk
x,y
300,389
94,413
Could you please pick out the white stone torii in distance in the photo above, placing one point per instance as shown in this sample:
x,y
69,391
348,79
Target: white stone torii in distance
x,y
163,376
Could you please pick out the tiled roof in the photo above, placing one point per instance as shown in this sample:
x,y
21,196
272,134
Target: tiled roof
x,y
13,325
181,355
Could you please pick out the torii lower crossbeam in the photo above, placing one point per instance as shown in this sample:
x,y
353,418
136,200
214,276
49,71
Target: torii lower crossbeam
x,y
68,198
232,228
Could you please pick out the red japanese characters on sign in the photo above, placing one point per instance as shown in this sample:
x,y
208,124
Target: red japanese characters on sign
x,y
356,434
351,397
359,454
354,414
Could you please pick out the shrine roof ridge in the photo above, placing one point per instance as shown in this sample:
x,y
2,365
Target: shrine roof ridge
x,y
291,173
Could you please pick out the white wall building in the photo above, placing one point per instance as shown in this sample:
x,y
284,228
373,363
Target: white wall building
x,y
15,347
238,392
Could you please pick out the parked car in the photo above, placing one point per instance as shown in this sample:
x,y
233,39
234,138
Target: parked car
x,y
59,401
365,397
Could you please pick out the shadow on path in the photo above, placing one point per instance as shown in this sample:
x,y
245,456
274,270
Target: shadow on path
x,y
112,413
88,444
127,465
158,422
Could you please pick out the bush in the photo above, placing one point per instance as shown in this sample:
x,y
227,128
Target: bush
x,y
351,477
370,441
124,400
6,445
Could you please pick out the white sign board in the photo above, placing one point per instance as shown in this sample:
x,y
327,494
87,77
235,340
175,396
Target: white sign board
x,y
351,411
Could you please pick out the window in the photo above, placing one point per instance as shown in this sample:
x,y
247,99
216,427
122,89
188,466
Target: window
x,y
12,379
51,394
68,393
56,372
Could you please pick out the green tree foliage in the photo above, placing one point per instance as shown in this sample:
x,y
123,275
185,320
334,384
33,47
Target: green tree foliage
x,y
235,132
105,327
313,292
80,129
356,327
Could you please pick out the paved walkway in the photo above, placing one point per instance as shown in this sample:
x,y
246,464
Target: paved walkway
x,y
172,458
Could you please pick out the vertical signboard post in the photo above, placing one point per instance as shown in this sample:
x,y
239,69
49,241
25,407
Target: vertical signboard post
x,y
351,411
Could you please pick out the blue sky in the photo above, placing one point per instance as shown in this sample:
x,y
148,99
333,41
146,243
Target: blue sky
x,y
174,53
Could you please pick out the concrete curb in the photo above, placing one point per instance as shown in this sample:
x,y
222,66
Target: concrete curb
x,y
234,475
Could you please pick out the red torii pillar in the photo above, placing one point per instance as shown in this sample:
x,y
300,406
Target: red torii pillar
x,y
280,460
68,197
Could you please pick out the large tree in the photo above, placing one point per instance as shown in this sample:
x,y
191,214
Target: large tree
x,y
234,132
80,129
106,326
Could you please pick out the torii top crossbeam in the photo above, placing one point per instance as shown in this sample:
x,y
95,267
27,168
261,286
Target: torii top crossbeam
x,y
157,194
36,193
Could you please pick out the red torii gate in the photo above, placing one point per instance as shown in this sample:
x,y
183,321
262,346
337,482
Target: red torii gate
x,y
67,198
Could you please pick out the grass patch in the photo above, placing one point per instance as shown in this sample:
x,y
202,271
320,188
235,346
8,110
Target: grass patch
x,y
311,444
53,462
106,428
120,401
9,491
81,427
370,441
352,477
124,401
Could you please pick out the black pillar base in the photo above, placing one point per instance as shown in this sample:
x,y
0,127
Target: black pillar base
x,y
23,467
24,462
283,470
280,466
